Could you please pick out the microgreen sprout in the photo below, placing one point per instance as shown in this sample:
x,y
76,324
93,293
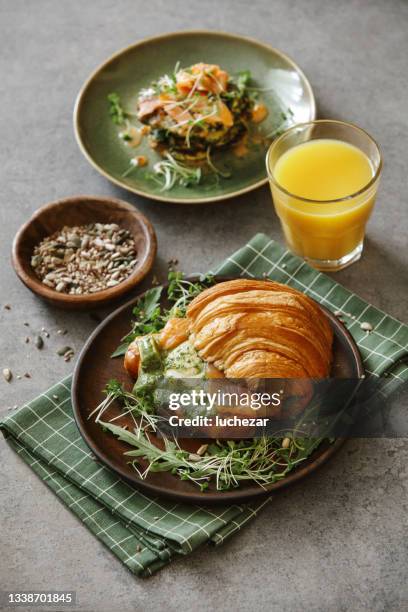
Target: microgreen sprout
x,y
174,172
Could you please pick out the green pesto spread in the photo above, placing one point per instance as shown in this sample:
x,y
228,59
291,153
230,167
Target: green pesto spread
x,y
181,362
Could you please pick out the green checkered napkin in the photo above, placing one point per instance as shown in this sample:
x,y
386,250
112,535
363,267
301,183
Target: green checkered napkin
x,y
146,533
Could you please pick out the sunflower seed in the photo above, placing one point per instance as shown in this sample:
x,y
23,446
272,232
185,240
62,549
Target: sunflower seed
x,y
8,375
39,342
63,350
77,260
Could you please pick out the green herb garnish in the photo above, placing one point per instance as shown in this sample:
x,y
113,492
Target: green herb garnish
x,y
147,319
172,172
150,318
139,406
116,111
243,79
228,463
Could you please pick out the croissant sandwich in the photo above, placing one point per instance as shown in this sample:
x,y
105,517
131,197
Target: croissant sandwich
x,y
245,329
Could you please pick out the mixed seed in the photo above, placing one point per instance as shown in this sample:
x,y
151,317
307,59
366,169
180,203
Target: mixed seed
x,y
85,259
7,374
37,341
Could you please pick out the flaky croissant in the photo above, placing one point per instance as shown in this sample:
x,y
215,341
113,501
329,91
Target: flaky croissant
x,y
251,329
260,329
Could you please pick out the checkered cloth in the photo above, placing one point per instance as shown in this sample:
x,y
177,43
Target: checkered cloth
x,y
146,533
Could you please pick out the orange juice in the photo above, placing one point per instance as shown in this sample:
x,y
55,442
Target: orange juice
x,y
315,189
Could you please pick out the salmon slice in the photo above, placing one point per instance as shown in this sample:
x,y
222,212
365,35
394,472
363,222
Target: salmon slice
x,y
223,115
148,107
178,113
203,77
217,81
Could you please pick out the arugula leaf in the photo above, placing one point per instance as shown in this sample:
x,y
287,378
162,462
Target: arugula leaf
x,y
148,304
121,350
148,319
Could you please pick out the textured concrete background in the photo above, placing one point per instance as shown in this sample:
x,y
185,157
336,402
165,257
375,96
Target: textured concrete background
x,y
338,541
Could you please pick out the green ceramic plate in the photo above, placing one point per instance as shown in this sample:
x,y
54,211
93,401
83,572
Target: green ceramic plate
x,y
283,85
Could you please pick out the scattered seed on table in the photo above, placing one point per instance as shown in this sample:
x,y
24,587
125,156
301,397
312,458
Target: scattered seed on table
x,y
26,324
68,355
366,326
283,266
26,339
39,342
61,332
55,397
27,375
19,377
8,374
337,313
138,548
63,350
7,307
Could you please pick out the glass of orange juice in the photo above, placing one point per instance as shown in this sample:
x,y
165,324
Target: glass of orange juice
x,y
324,177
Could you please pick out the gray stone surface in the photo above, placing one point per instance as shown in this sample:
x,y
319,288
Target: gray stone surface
x,y
338,541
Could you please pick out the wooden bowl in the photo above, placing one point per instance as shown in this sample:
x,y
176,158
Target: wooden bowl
x,y
81,210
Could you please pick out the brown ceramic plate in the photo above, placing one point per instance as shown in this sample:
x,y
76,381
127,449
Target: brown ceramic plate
x,y
95,368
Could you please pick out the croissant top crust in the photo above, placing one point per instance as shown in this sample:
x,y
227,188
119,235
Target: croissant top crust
x,y
260,329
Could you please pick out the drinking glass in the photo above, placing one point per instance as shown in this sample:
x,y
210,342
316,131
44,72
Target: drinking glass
x,y
328,234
